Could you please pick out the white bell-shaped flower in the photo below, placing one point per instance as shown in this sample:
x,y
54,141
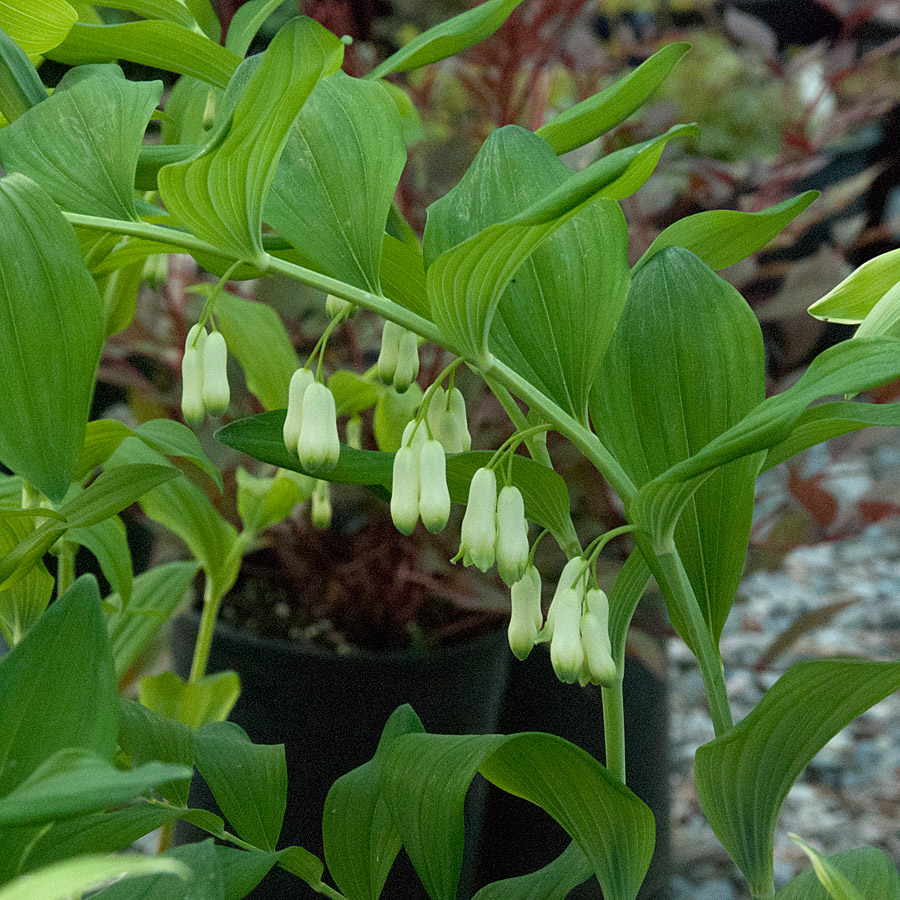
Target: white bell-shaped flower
x,y
320,505
390,351
434,496
407,361
572,577
436,409
318,446
456,411
512,535
300,381
479,526
192,406
525,618
566,652
216,393
405,490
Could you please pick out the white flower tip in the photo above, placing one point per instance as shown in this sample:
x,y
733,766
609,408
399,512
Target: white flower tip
x,y
216,392
192,406
320,508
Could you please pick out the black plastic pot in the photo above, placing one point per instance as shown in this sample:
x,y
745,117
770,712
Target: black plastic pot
x,y
329,709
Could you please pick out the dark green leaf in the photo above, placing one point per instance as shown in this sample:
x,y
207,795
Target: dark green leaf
x,y
67,646
75,781
358,833
20,86
219,194
448,38
19,562
553,882
743,777
595,116
98,124
870,871
684,366
248,781
303,864
163,45
403,276
24,602
194,703
723,237
51,332
242,870
108,542
40,26
332,204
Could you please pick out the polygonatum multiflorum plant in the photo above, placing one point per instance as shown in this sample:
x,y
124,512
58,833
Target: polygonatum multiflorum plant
x,y
282,164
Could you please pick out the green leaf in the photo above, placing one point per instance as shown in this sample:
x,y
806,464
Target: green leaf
x,y
247,21
827,420
194,703
393,412
108,542
831,878
248,326
167,10
247,780
466,275
555,881
884,317
67,646
854,298
219,193
147,736
263,502
19,562
685,365
24,602
403,276
449,38
871,871
593,117
846,368
337,177
20,86
205,16
163,45
358,834
723,237
155,595
353,393
63,879
40,26
243,870
47,300
75,781
119,292
743,777
425,778
98,123
303,864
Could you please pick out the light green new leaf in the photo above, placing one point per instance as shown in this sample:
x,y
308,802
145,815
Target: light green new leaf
x,y
853,299
51,332
23,603
205,16
147,736
167,10
449,38
60,880
20,86
593,117
247,780
246,22
263,502
119,292
164,45
884,317
155,595
467,275
425,778
108,542
869,870
743,777
684,366
248,326
19,562
337,177
827,420
194,703
98,119
358,834
38,26
75,781
353,393
555,881
837,885
219,194
67,646
846,368
723,237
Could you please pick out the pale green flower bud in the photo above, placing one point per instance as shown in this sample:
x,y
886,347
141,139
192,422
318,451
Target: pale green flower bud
x,y
216,393
405,490
354,432
436,410
300,381
456,408
597,650
479,526
318,445
336,306
407,362
390,351
512,535
525,613
192,407
566,653
320,505
434,497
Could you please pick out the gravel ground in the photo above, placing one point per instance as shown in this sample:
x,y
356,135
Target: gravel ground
x,y
850,793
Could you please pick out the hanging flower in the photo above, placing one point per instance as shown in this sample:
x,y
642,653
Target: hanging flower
x,y
390,351
479,526
216,393
318,446
595,638
407,361
526,617
192,406
566,652
434,496
300,381
512,535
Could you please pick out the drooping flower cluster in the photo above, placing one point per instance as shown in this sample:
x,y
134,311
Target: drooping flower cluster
x,y
447,420
204,375
419,483
310,426
398,361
